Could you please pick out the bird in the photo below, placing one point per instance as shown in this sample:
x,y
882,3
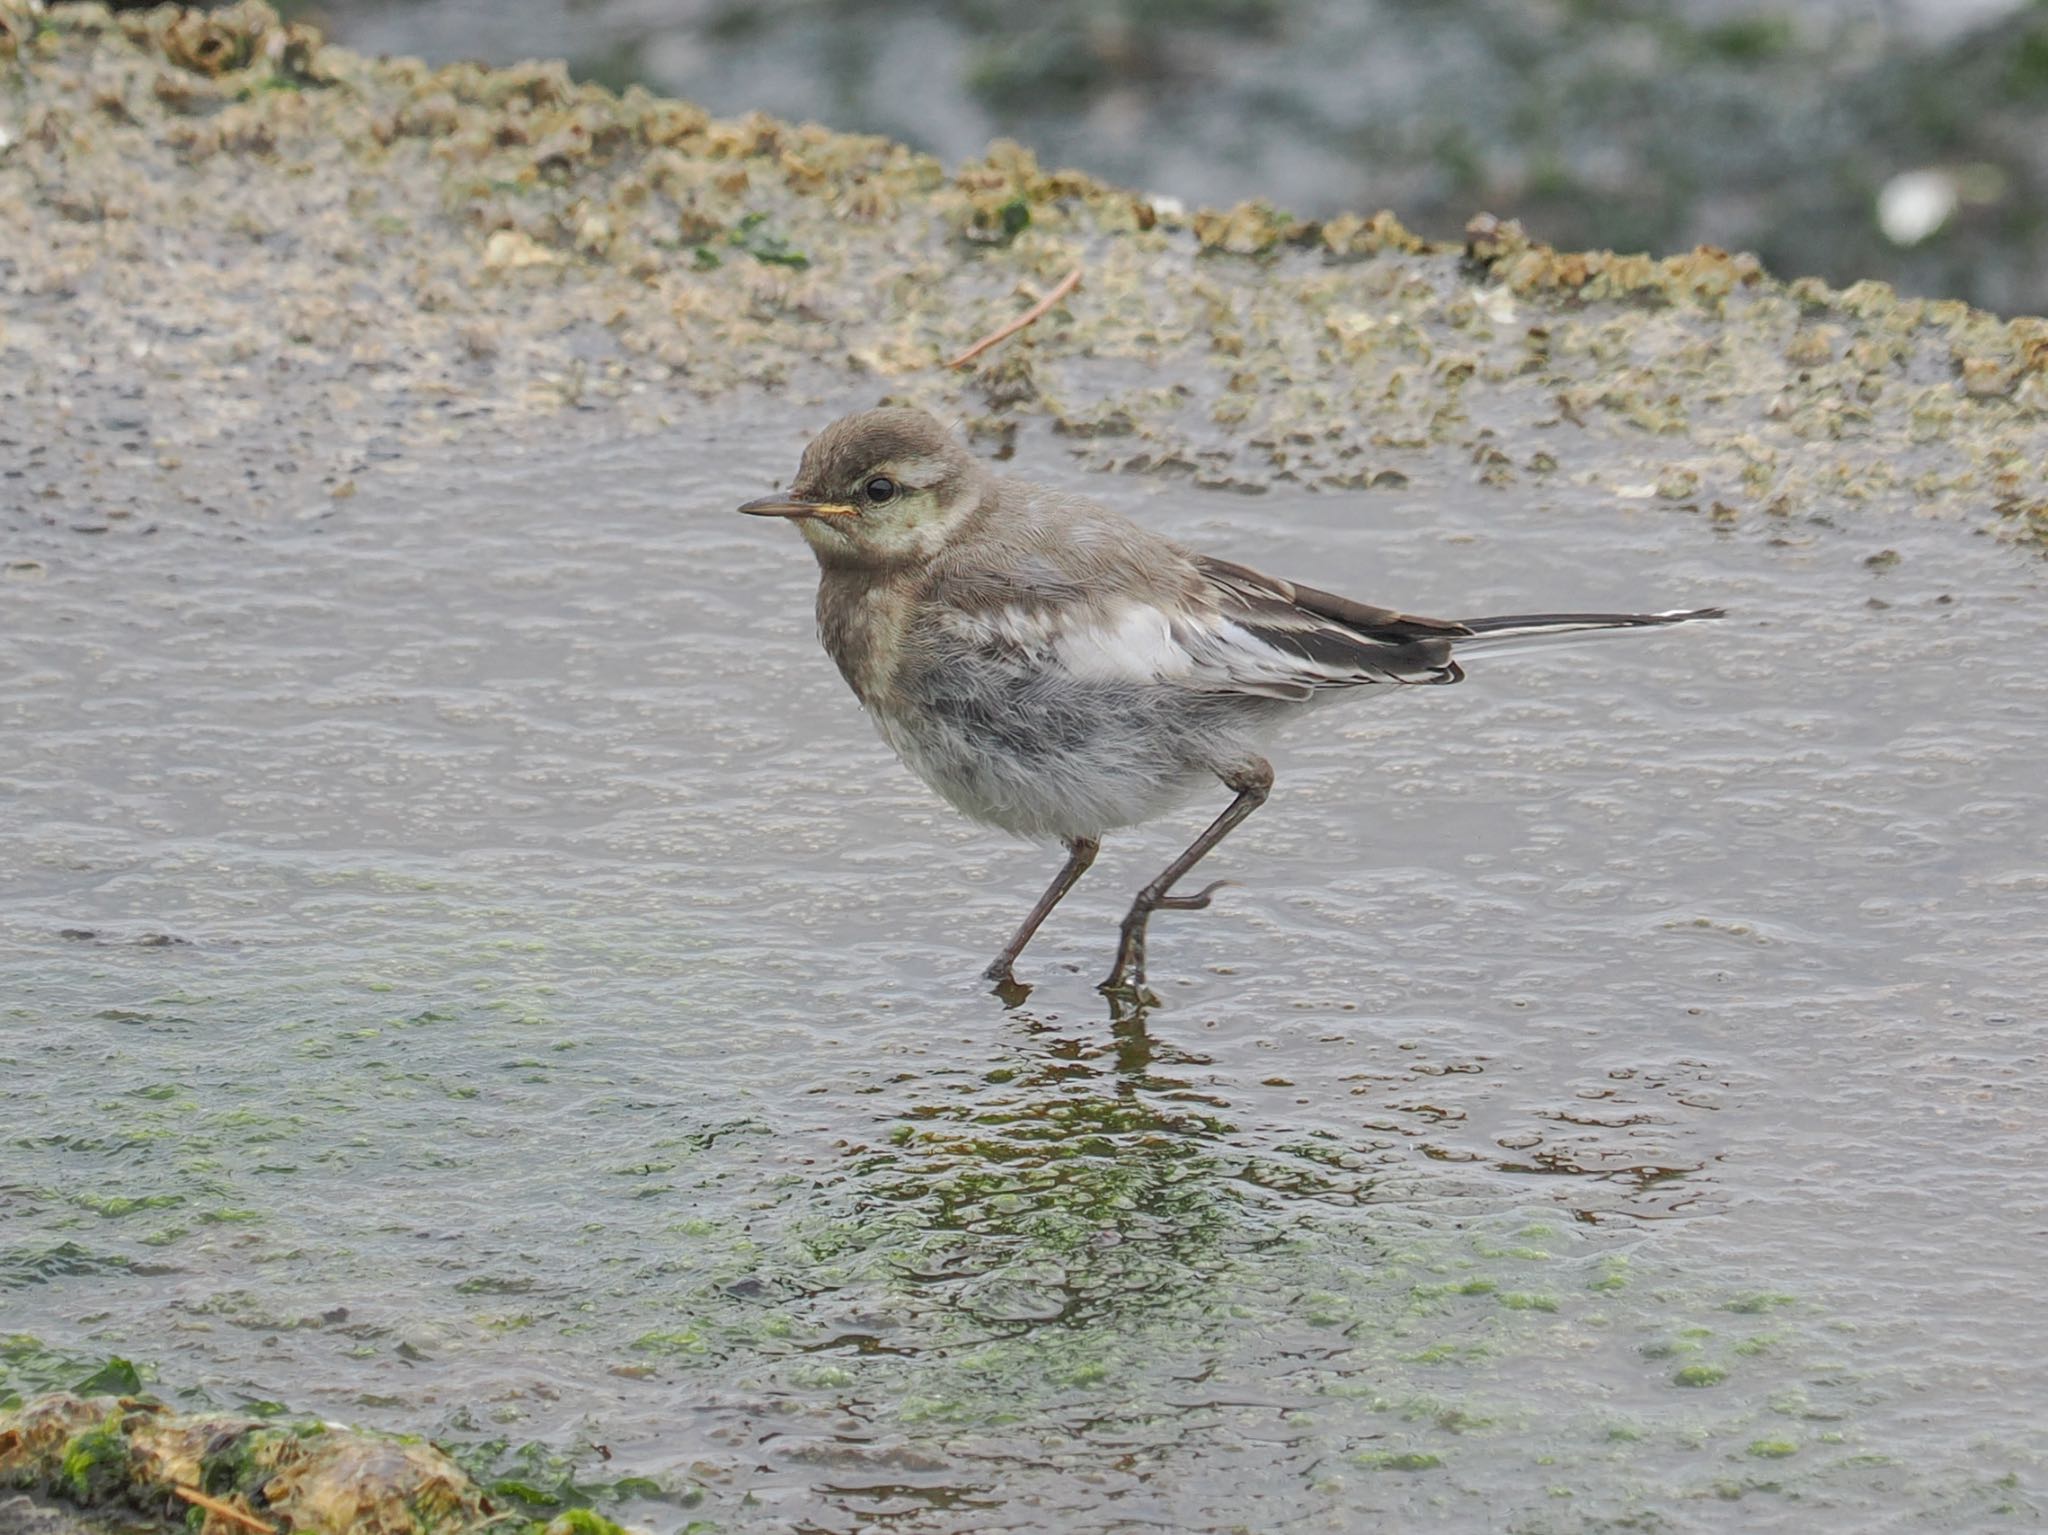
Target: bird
x,y
1056,670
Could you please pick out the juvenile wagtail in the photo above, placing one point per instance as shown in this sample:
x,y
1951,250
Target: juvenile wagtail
x,y
1056,670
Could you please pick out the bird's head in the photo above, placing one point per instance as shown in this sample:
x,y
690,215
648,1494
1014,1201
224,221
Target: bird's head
x,y
879,488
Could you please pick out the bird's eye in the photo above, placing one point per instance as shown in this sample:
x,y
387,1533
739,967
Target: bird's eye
x,y
881,488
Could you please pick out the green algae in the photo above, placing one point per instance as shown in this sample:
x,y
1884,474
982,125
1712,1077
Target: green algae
x,y
581,1521
30,1368
57,1260
94,1466
115,1206
117,1377
1057,1226
128,1450
1050,1233
1396,1460
1759,1303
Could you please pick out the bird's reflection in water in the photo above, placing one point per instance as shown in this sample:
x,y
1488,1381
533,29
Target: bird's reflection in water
x,y
1102,1170
1092,1172
1072,1239
1081,1175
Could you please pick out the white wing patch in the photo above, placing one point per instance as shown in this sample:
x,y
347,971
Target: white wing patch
x,y
1208,652
1132,642
1136,642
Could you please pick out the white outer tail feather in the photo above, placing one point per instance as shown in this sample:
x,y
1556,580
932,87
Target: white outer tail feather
x,y
1510,634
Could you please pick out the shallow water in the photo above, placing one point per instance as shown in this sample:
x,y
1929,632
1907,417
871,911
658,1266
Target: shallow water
x,y
469,968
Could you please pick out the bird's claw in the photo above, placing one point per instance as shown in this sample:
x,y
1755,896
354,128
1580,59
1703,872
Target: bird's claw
x,y
1199,901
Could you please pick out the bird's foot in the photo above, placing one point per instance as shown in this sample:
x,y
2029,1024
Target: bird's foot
x,y
1130,1004
1128,973
1125,984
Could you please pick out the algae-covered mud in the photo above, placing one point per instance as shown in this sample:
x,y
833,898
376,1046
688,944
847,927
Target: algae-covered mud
x,y
127,1461
468,972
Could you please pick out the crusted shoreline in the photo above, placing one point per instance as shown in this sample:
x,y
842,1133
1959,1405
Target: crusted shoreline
x,y
312,263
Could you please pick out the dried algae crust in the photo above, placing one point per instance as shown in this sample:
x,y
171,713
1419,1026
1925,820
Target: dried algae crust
x,y
104,1451
241,268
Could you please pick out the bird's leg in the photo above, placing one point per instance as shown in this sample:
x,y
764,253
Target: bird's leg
x,y
1253,782
1080,853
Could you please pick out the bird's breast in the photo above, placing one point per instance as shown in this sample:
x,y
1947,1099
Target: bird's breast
x,y
862,626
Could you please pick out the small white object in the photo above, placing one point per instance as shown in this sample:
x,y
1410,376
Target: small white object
x,y
1498,304
1915,204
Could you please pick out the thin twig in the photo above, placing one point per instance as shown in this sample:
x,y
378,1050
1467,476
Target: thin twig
x,y
1060,290
227,1511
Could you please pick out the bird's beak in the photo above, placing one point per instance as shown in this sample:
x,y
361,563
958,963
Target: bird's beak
x,y
796,506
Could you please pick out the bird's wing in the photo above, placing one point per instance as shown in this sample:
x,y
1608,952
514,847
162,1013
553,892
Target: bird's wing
x,y
1273,636
1113,605
1059,579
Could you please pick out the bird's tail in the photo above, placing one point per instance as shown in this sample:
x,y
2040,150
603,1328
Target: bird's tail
x,y
1515,630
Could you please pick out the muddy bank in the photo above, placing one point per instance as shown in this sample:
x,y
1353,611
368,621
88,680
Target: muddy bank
x,y
139,1465
250,268
1805,130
